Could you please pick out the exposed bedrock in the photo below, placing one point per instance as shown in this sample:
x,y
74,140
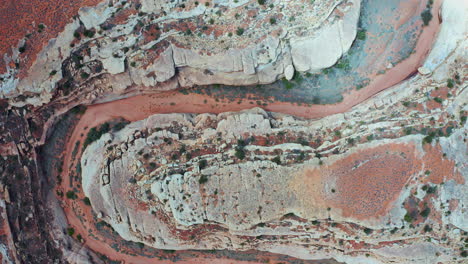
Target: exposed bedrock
x,y
195,45
183,181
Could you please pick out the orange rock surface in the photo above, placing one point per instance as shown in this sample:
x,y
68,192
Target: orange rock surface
x,y
365,184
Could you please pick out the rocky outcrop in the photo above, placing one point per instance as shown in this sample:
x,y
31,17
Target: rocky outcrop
x,y
255,173
451,35
329,43
148,49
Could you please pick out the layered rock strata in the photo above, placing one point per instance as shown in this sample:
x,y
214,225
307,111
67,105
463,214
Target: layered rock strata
x,y
150,43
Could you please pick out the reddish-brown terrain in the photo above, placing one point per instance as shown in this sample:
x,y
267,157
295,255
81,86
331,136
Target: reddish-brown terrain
x,y
20,19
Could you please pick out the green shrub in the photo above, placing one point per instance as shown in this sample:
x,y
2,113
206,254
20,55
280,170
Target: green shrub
x,y
450,83
240,153
427,228
202,164
203,179
361,34
84,75
22,48
426,16
408,218
89,33
277,160
71,195
87,201
425,213
96,133
70,231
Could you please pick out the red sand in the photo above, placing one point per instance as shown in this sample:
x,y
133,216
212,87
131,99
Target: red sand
x,y
365,184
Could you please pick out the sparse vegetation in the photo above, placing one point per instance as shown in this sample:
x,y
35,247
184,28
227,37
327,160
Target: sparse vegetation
x,y
408,218
86,201
426,16
361,34
425,213
71,195
277,160
70,231
202,164
203,179
96,133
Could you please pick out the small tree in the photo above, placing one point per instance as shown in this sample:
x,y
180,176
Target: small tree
x,y
240,31
426,16
203,179
87,201
70,231
277,160
202,164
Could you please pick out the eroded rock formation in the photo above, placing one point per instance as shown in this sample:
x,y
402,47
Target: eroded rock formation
x,y
163,44
378,177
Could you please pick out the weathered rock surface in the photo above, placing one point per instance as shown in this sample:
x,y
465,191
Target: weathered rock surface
x,y
182,172
151,49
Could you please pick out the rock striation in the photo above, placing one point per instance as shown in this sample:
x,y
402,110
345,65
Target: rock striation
x,y
184,181
153,42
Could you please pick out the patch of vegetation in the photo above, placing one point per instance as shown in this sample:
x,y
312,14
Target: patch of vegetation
x,y
438,100
425,213
22,48
426,16
71,195
337,133
408,218
202,164
120,125
429,189
96,133
240,153
361,34
427,228
203,179
277,160
429,138
86,201
79,109
89,33
70,231
84,75
343,64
